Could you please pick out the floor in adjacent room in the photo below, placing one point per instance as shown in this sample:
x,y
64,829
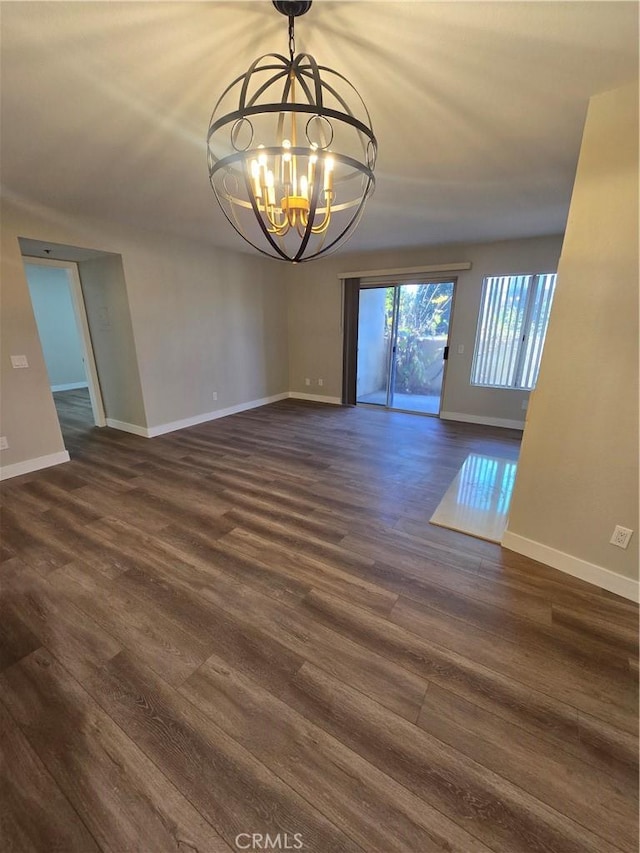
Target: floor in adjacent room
x,y
249,627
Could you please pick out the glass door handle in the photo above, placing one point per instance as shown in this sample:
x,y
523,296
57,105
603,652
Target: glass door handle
x,y
445,355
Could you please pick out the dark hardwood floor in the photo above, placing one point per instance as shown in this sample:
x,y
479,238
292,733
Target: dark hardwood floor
x,y
250,627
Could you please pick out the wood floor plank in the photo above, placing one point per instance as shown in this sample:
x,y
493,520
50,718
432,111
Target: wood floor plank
x,y
30,539
6,553
395,687
229,787
534,765
170,649
430,533
67,631
506,697
414,552
315,572
183,548
337,504
366,804
535,661
65,535
619,632
180,503
459,593
409,563
534,578
331,530
118,792
58,478
16,497
139,546
497,812
110,474
65,499
297,540
297,531
241,485
35,816
16,638
125,505
609,748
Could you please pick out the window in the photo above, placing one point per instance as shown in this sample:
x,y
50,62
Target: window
x,y
512,324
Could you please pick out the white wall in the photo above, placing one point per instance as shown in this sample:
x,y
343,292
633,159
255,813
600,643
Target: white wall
x,y
202,320
109,320
205,320
315,317
578,470
28,418
56,320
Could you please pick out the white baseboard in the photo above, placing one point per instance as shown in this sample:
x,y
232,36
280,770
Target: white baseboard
x,y
481,419
70,386
589,572
315,398
183,423
161,429
29,465
125,427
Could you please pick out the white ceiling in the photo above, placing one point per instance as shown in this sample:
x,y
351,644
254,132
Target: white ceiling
x,y
478,107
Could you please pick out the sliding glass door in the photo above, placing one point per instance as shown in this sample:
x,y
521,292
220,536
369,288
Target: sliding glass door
x,y
403,333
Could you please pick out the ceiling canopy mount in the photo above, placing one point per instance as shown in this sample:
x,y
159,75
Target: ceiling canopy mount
x,y
292,8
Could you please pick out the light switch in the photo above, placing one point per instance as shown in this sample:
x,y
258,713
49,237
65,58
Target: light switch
x,y
19,361
460,349
4,444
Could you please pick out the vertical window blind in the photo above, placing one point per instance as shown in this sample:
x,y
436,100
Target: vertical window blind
x,y
512,325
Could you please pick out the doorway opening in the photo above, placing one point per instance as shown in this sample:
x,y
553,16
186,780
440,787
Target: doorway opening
x,y
63,329
403,345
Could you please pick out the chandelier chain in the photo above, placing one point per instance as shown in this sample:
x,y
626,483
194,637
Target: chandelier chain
x,y
292,38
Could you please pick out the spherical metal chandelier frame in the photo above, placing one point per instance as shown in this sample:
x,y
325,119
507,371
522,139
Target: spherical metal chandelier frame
x,y
292,172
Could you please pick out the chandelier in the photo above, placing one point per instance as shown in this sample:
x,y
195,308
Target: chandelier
x,y
291,153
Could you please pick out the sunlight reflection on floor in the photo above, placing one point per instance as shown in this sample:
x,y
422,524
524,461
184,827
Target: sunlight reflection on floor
x,y
477,501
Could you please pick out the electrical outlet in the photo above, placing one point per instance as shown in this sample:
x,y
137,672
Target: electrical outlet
x,y
525,403
320,382
307,382
460,349
4,444
621,536
19,361
215,395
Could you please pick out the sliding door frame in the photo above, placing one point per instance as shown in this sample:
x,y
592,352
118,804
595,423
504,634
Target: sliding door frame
x,y
350,340
352,288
